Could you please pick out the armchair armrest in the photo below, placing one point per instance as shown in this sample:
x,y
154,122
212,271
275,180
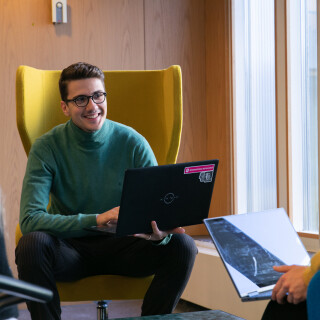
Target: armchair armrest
x,y
13,291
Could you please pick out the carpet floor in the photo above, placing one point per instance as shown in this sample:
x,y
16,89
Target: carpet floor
x,y
116,309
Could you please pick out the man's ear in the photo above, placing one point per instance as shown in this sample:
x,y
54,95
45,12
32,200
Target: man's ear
x,y
65,108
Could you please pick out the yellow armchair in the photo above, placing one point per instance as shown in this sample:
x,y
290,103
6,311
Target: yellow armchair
x,y
149,101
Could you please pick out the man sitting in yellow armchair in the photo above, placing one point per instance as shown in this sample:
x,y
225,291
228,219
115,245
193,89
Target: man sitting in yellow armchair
x,y
81,165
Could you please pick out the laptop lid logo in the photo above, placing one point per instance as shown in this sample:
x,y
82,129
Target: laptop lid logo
x,y
169,198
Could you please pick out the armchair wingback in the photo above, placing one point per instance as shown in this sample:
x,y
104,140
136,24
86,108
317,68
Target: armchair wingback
x,y
148,101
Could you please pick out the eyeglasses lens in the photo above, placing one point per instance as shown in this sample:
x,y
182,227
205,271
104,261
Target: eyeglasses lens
x,y
83,101
98,97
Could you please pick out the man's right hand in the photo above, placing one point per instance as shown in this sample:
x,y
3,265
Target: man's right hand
x,y
110,216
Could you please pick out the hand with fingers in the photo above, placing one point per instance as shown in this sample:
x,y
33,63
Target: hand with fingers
x,y
108,217
291,285
157,234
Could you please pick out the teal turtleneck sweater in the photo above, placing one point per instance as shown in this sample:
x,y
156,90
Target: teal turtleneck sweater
x,y
83,172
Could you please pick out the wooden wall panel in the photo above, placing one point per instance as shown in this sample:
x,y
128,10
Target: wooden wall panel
x,y
107,33
175,34
281,106
219,115
124,44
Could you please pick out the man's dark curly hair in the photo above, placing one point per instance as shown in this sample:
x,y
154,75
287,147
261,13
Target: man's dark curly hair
x,y
77,71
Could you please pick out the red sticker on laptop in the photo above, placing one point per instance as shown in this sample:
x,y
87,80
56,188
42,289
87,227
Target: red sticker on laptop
x,y
197,169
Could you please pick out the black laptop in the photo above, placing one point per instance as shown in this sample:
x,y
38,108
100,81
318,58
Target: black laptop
x,y
250,244
173,195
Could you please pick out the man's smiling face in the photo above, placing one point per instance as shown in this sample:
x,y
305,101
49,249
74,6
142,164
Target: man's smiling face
x,y
91,117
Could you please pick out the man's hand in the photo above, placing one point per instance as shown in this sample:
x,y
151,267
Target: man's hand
x,y
157,234
290,282
110,216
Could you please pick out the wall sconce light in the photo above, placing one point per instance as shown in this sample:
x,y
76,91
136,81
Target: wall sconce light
x,y
59,11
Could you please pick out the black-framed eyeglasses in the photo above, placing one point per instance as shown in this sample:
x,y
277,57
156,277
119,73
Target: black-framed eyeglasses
x,y
82,101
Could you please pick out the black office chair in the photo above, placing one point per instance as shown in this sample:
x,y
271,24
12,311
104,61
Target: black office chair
x,y
13,291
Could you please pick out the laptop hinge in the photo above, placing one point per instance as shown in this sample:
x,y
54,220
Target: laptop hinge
x,y
252,294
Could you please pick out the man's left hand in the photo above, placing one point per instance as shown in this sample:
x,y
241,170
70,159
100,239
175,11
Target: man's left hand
x,y
157,234
290,284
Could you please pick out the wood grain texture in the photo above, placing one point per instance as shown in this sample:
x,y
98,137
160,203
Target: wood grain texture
x,y
175,34
281,106
219,115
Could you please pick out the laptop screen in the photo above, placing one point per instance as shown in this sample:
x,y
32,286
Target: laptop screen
x,y
250,244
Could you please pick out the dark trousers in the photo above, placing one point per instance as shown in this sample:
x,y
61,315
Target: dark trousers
x,y
12,311
43,259
286,311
